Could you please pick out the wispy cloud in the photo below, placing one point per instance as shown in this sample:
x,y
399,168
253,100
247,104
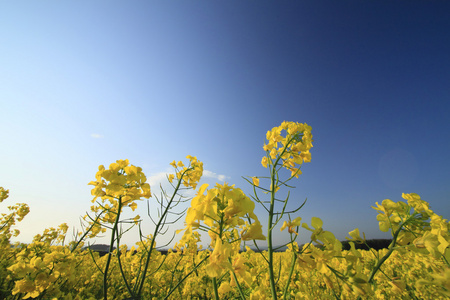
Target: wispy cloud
x,y
96,135
158,178
213,175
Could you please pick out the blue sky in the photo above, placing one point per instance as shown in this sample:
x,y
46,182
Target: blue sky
x,y
86,83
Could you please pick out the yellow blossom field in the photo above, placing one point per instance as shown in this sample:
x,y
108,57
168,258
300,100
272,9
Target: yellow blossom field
x,y
414,266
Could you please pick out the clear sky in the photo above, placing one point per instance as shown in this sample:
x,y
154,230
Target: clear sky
x,y
84,83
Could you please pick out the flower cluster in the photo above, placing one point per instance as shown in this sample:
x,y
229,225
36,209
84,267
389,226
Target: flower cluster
x,y
418,227
16,213
119,186
291,225
121,181
222,210
52,235
329,246
3,194
192,173
38,272
39,265
416,264
292,147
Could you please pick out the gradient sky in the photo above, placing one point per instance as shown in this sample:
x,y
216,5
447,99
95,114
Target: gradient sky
x,y
84,83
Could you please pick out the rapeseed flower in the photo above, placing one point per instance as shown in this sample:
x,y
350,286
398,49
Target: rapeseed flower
x,y
291,225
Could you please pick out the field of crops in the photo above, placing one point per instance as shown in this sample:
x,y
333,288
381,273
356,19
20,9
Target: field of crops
x,y
414,266
77,276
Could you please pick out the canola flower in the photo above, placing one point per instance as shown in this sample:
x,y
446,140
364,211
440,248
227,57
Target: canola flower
x,y
414,266
287,147
220,212
223,208
291,225
117,187
292,147
7,221
16,213
120,186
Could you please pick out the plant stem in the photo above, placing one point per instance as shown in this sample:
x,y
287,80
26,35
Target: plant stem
x,y
187,275
269,234
111,245
390,250
216,292
286,289
161,222
241,293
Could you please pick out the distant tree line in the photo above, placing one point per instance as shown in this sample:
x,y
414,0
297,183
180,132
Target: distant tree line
x,y
375,244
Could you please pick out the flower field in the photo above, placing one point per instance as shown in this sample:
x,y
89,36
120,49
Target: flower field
x,y
415,266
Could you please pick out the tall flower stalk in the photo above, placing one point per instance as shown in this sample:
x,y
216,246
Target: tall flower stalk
x,y
221,212
117,187
120,186
186,176
287,147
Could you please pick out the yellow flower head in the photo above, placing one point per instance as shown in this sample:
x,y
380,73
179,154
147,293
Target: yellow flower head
x,y
295,140
264,161
121,184
3,194
291,225
253,232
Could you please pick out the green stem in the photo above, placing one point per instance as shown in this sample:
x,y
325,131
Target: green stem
x,y
216,292
121,268
390,250
184,278
86,233
111,245
286,289
273,179
161,222
269,235
241,293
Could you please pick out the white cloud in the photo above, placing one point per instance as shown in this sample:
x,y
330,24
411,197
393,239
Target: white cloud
x,y
158,178
210,174
161,177
96,135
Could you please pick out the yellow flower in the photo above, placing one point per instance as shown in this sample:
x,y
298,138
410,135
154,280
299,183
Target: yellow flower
x,y
225,288
276,188
136,219
273,153
173,164
171,177
264,161
291,225
355,236
429,242
3,194
253,232
121,184
146,190
418,204
218,261
255,181
133,206
295,145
